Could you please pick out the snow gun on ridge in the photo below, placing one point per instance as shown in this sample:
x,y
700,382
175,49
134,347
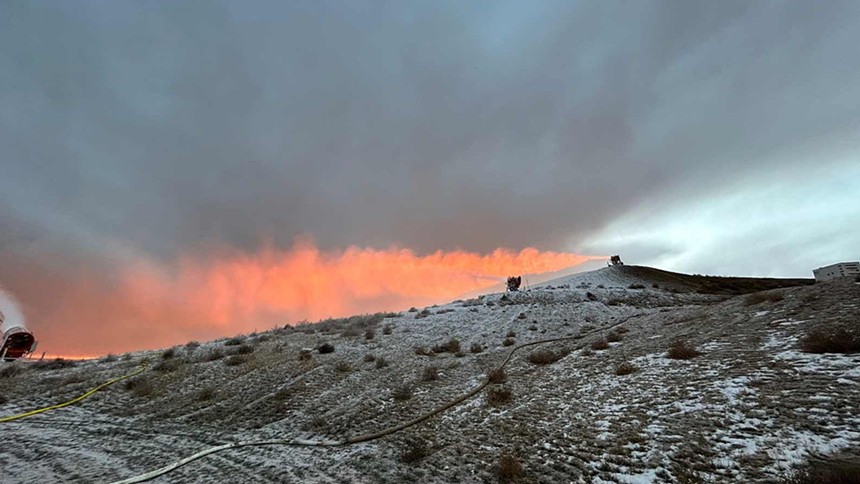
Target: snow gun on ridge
x,y
18,342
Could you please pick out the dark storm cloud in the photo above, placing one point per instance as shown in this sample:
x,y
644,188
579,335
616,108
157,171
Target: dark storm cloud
x,y
160,126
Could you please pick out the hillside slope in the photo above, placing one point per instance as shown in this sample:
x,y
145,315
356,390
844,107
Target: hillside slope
x,y
746,409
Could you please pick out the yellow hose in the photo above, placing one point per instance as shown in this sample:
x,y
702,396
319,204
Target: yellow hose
x,y
72,401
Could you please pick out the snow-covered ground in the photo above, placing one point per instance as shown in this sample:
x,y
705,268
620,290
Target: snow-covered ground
x,y
745,410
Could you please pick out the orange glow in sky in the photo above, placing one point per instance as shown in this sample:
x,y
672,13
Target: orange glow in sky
x,y
204,297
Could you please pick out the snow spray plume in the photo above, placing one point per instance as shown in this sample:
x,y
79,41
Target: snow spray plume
x,y
10,309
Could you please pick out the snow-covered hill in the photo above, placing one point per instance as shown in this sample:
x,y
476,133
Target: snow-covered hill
x,y
746,409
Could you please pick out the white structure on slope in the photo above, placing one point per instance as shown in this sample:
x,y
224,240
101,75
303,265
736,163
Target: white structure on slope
x,y
837,271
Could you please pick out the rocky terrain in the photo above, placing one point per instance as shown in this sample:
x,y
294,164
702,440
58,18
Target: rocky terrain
x,y
739,400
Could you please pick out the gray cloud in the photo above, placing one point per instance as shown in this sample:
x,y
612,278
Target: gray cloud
x,y
480,125
159,127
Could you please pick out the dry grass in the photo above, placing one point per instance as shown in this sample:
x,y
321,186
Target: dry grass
x,y
509,468
498,396
368,358
497,376
369,334
205,394
9,370
681,350
234,341
381,363
431,373
55,364
508,342
170,365
831,340
342,367
236,360
543,357
830,472
388,329
626,368
600,344
140,387
415,451
613,337
452,346
476,348
760,297
402,393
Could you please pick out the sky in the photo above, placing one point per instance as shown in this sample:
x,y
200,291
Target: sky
x,y
187,170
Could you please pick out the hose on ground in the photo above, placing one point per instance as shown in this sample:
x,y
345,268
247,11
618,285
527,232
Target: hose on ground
x,y
366,437
74,400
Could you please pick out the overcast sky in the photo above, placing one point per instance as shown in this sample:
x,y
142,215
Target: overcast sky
x,y
719,137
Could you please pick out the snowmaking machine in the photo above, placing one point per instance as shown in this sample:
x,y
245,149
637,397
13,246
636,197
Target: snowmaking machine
x,y
17,341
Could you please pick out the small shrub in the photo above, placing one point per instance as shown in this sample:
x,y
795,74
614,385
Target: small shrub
x,y
242,349
760,297
636,286
423,314
368,358
109,358
205,394
387,329
452,346
170,365
169,353
349,333
3,399
214,354
681,350
282,394
497,376
511,334
422,351
829,472
508,342
415,451
381,363
140,386
625,368
459,354
326,348
622,330
833,340
413,309
55,364
9,370
305,355
586,352
236,360
235,341
498,396
509,468
590,296
543,357
614,301
613,337
600,344
521,316
402,393
431,373
476,348
601,286
342,367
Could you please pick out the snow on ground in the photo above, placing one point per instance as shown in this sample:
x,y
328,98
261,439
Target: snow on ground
x,y
745,410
